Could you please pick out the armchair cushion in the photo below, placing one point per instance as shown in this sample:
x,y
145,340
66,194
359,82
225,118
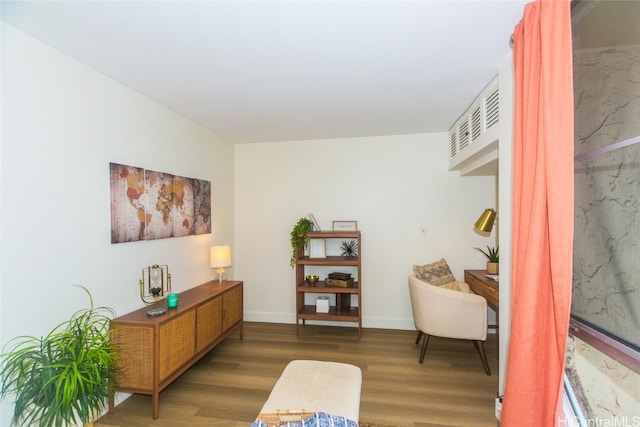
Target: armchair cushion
x,y
456,286
437,273
444,313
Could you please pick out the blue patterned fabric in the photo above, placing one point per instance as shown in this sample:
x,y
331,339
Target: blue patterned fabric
x,y
319,419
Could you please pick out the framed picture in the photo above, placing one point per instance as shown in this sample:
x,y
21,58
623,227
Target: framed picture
x,y
316,226
316,248
345,225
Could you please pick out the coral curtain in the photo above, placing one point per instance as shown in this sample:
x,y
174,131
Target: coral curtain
x,y
542,214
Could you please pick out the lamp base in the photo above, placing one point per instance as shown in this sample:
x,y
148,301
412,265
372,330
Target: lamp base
x,y
156,312
219,272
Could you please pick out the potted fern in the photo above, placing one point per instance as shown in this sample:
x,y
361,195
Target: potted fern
x,y
65,377
299,237
493,259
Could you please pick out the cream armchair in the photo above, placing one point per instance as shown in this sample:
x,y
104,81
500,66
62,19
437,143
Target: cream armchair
x,y
444,312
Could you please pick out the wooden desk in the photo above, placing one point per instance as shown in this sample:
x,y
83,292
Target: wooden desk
x,y
482,285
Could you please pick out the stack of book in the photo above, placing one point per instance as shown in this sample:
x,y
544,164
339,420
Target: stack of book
x,y
340,280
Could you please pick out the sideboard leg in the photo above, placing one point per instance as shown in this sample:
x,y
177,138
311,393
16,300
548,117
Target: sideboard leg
x,y
156,405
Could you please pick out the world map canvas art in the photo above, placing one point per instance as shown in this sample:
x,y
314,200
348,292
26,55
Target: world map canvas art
x,y
148,205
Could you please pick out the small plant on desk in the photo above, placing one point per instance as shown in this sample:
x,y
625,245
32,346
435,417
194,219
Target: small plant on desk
x,y
493,259
491,254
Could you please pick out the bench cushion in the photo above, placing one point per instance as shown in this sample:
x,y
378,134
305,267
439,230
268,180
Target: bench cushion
x,y
315,386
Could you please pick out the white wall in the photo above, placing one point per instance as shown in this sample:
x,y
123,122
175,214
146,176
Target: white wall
x,y
392,185
62,123
505,212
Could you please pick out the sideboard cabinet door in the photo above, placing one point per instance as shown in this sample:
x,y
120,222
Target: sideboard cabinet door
x,y
209,318
136,361
231,307
177,343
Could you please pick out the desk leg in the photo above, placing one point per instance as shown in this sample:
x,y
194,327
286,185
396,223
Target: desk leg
x,y
497,325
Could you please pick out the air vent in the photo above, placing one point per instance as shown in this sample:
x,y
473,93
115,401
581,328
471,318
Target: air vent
x,y
475,123
492,108
453,144
463,135
473,139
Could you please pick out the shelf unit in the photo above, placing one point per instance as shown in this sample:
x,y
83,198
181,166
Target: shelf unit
x,y
343,310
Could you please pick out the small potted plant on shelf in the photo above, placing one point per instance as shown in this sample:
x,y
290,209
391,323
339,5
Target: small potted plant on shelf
x,y
349,248
299,237
493,259
65,377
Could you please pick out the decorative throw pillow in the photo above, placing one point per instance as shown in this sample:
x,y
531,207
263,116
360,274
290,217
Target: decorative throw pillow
x,y
453,286
437,273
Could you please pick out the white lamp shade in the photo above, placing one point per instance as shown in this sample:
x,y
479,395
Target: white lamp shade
x,y
220,256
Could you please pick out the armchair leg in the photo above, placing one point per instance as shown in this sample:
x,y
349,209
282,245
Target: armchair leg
x,y
483,356
424,347
418,337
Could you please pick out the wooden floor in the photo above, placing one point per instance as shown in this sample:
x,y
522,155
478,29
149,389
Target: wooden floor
x,y
229,386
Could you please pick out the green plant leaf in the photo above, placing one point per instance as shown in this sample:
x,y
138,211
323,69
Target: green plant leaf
x,y
491,254
64,377
298,237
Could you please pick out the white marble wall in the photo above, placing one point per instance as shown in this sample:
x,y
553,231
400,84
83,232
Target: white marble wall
x,y
607,196
606,289
611,390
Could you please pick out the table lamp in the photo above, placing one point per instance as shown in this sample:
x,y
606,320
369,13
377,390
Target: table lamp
x,y
220,258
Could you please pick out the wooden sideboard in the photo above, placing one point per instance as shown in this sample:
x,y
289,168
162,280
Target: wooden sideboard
x,y
157,350
482,285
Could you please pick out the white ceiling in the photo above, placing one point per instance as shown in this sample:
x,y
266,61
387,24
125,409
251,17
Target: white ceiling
x,y
255,71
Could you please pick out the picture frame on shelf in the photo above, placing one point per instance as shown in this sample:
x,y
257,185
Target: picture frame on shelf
x,y
316,226
317,248
345,225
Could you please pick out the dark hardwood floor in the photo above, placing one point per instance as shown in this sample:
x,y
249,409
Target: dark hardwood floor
x,y
229,386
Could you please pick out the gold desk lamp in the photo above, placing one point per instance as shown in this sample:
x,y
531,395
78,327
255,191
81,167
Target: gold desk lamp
x,y
485,221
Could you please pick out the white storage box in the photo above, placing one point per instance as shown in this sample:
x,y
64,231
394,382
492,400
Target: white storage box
x,y
322,305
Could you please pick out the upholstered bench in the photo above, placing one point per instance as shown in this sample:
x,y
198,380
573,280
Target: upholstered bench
x,y
309,386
